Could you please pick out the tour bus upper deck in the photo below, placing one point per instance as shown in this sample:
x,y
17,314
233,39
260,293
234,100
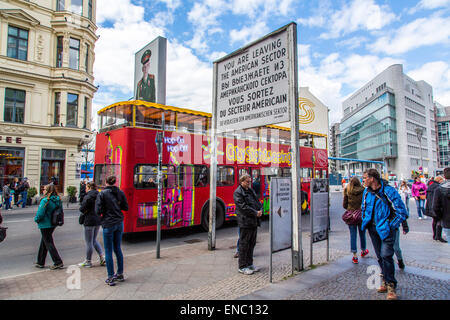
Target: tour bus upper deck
x,y
141,114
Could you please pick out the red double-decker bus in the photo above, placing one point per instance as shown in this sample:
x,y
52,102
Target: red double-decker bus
x,y
126,148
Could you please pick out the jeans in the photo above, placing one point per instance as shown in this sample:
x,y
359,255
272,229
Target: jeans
x,y
7,202
353,235
112,238
24,195
397,250
247,242
407,203
420,207
90,236
47,245
384,249
447,234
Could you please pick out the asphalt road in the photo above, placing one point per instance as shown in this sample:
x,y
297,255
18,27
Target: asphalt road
x,y
18,252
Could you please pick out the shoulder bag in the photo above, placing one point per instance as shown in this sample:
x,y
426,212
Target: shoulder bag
x,y
352,217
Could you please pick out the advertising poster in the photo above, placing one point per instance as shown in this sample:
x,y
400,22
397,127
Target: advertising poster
x,y
150,72
319,209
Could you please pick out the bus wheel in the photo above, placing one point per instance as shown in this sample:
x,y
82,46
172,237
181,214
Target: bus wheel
x,y
220,217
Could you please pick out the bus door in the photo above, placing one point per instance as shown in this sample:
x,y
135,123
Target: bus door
x,y
186,183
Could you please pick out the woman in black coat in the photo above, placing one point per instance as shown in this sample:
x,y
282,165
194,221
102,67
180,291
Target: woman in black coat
x,y
91,222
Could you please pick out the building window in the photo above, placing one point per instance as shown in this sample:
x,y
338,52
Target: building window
x,y
74,54
86,101
86,59
14,105
90,9
72,109
59,52
76,6
17,43
60,5
56,118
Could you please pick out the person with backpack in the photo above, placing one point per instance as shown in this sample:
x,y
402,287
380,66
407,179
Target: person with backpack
x,y
109,205
43,218
441,204
91,222
382,213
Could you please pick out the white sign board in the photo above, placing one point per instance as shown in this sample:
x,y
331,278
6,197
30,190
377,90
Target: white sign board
x,y
252,87
281,213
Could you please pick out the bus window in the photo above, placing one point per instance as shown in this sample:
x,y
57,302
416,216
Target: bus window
x,y
320,142
225,176
243,171
117,116
201,176
286,172
256,182
103,171
148,117
146,176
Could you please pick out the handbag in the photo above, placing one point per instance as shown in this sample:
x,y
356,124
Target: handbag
x,y
352,217
2,233
81,218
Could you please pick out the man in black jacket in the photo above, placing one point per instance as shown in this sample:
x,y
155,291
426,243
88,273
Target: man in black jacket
x,y
431,191
248,210
441,203
108,205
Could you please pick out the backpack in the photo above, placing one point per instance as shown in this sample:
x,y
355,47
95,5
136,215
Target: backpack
x,y
58,216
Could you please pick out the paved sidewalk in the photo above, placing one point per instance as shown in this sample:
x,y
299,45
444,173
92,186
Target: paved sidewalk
x,y
191,272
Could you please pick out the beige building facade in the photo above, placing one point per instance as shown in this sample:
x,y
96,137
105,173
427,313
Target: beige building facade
x,y
46,89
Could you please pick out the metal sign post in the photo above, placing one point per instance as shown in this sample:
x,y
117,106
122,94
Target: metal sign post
x,y
159,140
319,214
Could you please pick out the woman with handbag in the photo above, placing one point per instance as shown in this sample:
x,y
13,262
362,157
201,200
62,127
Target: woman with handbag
x,y
352,217
419,192
405,193
91,222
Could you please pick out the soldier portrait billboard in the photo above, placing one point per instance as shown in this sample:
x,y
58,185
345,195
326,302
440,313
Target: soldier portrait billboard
x,y
150,72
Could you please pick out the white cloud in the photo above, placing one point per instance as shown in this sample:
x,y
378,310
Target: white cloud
x,y
430,5
418,33
359,15
437,74
248,34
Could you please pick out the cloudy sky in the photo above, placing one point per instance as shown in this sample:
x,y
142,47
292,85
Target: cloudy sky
x,y
341,44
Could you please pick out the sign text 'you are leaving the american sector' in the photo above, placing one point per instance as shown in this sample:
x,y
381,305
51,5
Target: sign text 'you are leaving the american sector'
x,y
253,86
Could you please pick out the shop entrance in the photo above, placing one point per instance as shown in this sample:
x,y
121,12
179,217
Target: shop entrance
x,y
52,169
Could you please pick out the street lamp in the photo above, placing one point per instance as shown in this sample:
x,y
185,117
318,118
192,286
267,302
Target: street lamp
x,y
419,133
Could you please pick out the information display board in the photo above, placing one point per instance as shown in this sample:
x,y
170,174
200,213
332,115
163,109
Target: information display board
x,y
319,209
280,213
253,84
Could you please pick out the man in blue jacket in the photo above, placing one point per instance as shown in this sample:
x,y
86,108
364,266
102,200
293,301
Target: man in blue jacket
x,y
382,213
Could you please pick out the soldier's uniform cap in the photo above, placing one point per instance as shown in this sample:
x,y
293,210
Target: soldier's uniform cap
x,y
146,56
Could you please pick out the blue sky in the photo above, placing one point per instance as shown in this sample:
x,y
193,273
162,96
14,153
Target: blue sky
x,y
341,44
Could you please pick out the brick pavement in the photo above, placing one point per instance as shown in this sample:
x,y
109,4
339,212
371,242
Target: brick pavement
x,y
191,272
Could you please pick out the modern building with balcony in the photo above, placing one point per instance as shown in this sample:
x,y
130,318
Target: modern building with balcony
x,y
391,119
46,89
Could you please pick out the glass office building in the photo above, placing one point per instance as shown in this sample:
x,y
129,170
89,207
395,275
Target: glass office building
x,y
370,132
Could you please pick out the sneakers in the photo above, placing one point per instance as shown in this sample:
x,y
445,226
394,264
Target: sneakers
x,y
420,218
40,266
118,278
383,287
86,264
392,295
57,266
110,282
355,259
236,255
253,268
401,265
102,261
364,253
246,271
